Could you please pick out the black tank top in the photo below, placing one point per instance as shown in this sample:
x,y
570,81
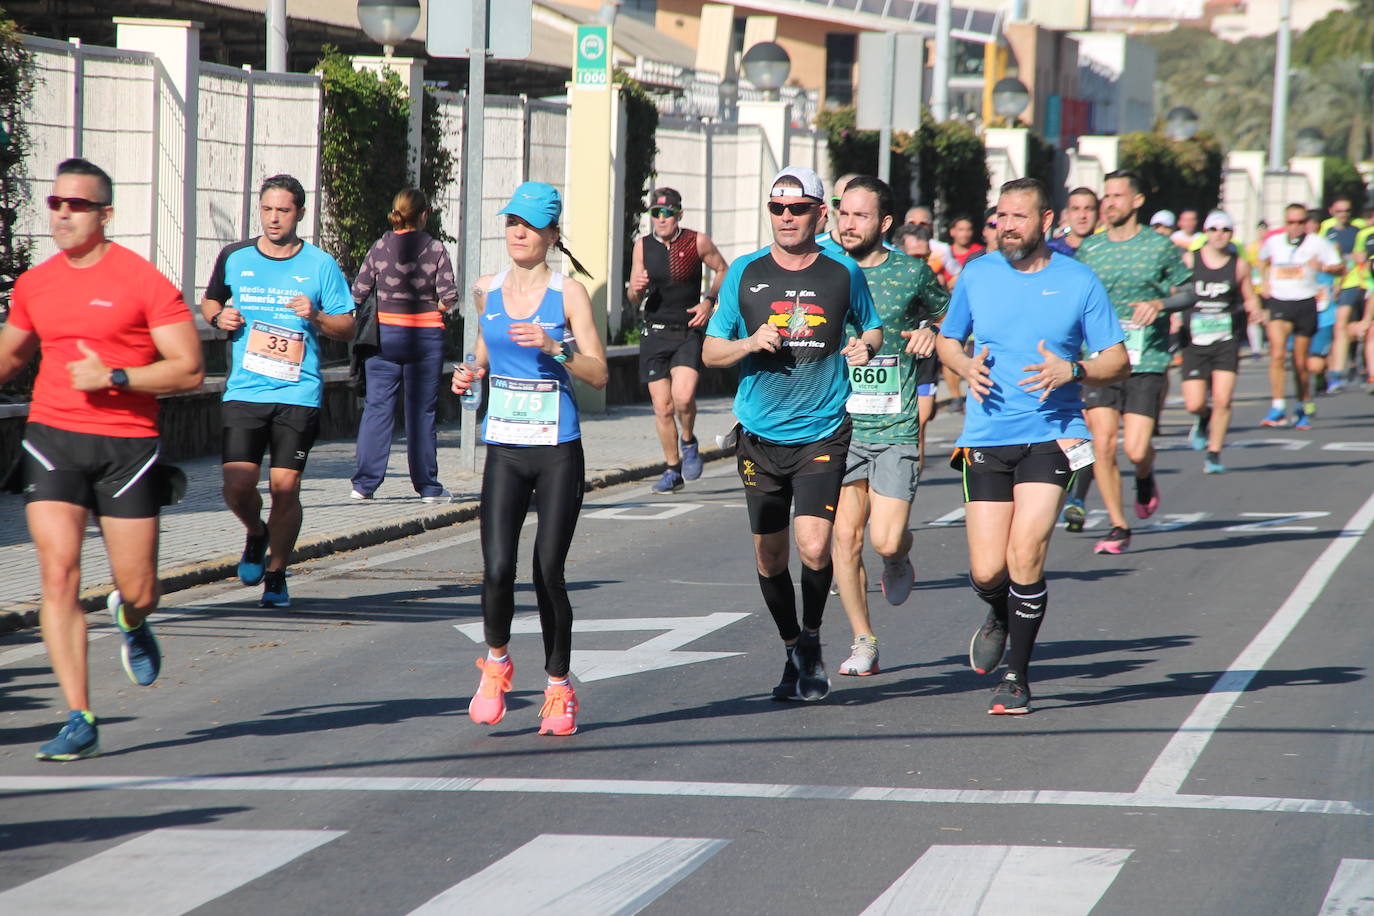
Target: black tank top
x,y
1217,291
674,269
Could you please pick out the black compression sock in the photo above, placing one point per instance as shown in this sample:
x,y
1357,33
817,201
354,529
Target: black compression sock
x,y
815,587
782,603
1082,482
1214,456
995,596
675,468
1144,488
1027,605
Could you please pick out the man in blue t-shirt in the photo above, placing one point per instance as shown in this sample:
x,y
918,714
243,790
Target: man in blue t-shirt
x,y
782,318
1030,313
274,295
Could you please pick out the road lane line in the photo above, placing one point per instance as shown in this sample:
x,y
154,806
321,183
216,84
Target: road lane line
x,y
1352,890
1181,754
681,789
611,875
1027,880
164,873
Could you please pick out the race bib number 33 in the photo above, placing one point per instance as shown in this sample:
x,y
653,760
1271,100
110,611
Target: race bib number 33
x,y
877,387
274,351
523,411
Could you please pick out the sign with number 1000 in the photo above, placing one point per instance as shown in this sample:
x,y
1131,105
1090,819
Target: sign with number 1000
x,y
593,64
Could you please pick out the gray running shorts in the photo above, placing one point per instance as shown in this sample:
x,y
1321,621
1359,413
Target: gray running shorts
x,y
890,468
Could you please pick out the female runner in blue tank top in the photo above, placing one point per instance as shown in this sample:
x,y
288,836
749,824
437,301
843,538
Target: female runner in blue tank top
x,y
534,334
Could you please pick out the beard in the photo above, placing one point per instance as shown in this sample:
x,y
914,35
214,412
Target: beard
x,y
862,248
1020,248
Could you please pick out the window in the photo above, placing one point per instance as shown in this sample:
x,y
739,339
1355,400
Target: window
x,y
841,50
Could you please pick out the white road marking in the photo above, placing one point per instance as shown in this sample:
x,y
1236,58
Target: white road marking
x,y
650,655
1029,880
1176,761
634,511
611,875
164,873
1348,447
953,517
1352,890
681,789
1273,520
1172,521
1287,445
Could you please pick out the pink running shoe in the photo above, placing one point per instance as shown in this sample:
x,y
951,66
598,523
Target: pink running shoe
x,y
559,712
1116,541
488,705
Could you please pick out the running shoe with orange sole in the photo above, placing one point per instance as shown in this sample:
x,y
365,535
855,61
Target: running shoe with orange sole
x,y
558,715
488,706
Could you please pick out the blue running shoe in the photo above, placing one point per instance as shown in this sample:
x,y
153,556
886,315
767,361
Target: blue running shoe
x,y
274,593
1274,417
253,563
1301,421
1213,467
670,482
691,460
140,655
77,739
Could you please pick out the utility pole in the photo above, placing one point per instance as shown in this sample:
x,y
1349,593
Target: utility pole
x,y
1278,119
939,87
472,207
276,36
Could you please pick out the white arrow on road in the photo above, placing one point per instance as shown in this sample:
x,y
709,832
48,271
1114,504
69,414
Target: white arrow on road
x,y
650,655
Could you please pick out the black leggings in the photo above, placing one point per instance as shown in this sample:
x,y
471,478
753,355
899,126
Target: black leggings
x,y
554,476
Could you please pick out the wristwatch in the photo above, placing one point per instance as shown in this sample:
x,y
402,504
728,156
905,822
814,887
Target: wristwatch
x,y
871,350
1079,373
214,320
119,378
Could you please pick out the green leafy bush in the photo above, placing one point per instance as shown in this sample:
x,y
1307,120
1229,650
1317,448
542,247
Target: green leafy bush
x,y
1177,174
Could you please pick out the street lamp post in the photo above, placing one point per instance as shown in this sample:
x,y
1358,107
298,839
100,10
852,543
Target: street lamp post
x,y
1181,123
1009,98
1310,142
389,22
767,66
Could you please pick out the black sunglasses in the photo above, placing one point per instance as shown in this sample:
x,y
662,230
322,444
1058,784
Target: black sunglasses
x,y
800,208
75,204
664,212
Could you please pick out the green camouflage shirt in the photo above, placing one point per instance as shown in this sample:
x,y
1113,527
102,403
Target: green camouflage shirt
x,y
1146,266
905,293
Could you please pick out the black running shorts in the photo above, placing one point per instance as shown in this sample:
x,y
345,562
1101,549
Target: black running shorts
x,y
1201,362
664,347
1301,313
250,428
110,475
776,475
991,472
1139,394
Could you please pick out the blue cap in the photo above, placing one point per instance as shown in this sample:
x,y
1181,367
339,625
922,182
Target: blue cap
x,y
536,203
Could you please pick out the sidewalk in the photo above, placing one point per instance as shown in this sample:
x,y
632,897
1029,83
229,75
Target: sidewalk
x,y
201,540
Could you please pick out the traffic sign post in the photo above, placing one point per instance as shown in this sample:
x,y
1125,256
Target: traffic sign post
x,y
464,28
592,67
889,88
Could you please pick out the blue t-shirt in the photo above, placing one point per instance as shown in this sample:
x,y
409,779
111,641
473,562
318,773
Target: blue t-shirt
x,y
276,355
1010,312
798,394
1060,245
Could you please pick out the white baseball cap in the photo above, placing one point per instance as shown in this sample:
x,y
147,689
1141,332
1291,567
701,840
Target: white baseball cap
x,y
1164,218
1218,219
811,185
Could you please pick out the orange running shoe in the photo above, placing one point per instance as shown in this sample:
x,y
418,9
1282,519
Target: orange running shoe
x,y
559,712
488,705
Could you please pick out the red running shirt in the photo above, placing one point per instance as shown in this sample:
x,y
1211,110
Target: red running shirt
x,y
113,305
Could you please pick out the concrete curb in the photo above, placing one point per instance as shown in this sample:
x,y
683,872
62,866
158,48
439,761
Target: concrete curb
x,y
205,572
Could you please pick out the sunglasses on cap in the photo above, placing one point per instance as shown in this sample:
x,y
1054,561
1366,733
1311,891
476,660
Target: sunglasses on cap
x,y
664,212
801,208
75,204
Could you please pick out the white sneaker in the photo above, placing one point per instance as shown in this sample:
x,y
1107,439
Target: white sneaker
x,y
358,494
443,496
898,579
863,657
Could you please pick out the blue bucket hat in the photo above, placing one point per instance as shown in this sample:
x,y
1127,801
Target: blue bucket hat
x,y
536,203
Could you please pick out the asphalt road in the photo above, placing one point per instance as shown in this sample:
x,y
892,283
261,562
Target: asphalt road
x,y
1201,740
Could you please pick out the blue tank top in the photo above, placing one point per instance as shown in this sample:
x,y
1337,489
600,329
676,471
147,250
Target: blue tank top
x,y
524,382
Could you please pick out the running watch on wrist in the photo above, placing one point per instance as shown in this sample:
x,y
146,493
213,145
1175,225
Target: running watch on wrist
x,y
1079,373
119,378
214,320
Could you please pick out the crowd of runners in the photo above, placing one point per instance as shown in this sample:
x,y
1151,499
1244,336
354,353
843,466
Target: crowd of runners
x,y
1053,333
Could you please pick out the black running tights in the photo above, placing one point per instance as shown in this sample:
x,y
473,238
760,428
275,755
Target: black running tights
x,y
553,476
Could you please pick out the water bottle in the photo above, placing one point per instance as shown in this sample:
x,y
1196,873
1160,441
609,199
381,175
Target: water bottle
x,y
473,399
